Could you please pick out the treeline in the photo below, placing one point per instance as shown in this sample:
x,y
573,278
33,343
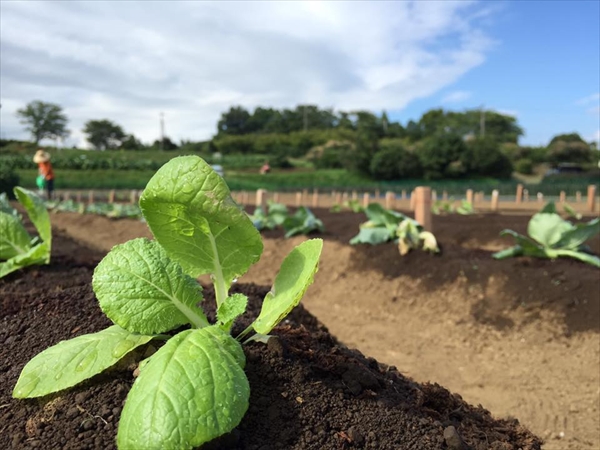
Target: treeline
x,y
440,145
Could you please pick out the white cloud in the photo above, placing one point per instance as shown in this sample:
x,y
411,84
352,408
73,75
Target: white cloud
x,y
594,98
456,97
127,61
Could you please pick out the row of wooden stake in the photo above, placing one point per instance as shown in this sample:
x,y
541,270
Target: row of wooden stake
x,y
421,199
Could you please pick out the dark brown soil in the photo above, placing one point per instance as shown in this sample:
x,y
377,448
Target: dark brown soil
x,y
307,390
519,336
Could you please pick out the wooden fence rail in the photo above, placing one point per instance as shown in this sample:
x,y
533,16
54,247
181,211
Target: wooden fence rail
x,y
391,200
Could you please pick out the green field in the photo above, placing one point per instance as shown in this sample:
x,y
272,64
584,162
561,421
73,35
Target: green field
x,y
291,180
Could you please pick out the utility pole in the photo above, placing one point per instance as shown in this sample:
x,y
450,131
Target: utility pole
x,y
482,121
162,131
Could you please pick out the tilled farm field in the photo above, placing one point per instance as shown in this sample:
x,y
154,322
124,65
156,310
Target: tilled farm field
x,y
520,337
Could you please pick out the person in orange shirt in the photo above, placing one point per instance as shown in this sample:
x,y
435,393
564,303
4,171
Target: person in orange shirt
x,y
42,159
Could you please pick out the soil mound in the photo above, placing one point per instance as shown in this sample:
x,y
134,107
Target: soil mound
x,y
308,391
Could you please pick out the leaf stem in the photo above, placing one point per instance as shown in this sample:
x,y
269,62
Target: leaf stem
x,y
217,278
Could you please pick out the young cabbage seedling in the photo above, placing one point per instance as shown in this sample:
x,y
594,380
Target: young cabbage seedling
x,y
303,221
193,389
553,237
275,216
17,248
387,225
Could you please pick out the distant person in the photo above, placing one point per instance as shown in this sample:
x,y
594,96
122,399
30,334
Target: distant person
x,y
46,174
265,169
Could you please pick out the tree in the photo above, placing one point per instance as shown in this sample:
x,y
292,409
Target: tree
x,y
44,120
393,161
130,142
483,157
167,144
234,121
104,134
441,156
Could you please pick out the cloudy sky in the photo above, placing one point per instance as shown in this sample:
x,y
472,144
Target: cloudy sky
x,y
128,61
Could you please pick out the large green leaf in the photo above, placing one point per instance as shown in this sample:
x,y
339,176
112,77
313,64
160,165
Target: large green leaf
x,y
302,222
547,228
192,390
575,237
233,307
581,256
39,254
190,211
14,239
143,291
70,362
296,274
527,246
37,212
387,217
372,236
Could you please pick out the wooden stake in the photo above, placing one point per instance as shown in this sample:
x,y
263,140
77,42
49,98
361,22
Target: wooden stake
x,y
338,198
525,195
90,197
354,195
470,196
591,200
519,196
111,196
132,196
261,198
389,200
495,198
563,197
366,199
298,199
423,207
315,198
304,197
540,197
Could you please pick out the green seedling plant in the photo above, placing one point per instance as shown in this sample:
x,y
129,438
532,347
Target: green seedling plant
x,y
551,236
273,218
465,208
303,221
193,389
17,248
443,207
386,225
352,204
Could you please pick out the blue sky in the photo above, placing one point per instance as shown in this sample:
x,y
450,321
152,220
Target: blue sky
x,y
128,61
544,66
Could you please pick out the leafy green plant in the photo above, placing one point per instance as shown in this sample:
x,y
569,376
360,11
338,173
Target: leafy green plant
x,y
570,212
552,237
17,248
465,208
352,205
193,388
387,225
303,221
275,216
443,207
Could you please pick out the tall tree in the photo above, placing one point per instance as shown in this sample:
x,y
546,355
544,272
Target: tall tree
x,y
44,120
104,134
234,121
